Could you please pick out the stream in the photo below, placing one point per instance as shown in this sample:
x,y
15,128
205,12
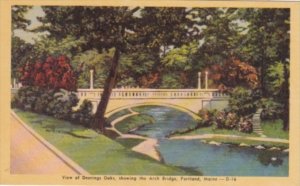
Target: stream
x,y
210,160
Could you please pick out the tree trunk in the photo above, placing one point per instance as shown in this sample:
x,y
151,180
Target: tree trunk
x,y
262,78
99,119
285,98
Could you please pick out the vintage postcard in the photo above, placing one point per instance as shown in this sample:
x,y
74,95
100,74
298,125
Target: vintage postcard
x,y
150,92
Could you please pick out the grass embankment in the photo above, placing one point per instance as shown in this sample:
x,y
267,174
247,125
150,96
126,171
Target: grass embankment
x,y
94,152
273,129
134,122
212,130
253,143
117,115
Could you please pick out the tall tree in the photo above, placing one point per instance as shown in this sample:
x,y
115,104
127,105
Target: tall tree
x,y
122,29
266,43
20,54
20,50
266,40
18,17
219,36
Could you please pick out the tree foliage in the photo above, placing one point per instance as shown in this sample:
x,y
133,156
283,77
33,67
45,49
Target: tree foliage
x,y
266,41
21,54
234,73
160,47
18,19
118,28
53,73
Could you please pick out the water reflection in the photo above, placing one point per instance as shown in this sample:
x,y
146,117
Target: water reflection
x,y
270,158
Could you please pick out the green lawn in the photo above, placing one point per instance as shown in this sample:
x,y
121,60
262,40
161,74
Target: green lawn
x,y
129,142
274,129
94,152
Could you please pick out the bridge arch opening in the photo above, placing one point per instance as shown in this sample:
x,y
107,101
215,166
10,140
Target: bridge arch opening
x,y
180,108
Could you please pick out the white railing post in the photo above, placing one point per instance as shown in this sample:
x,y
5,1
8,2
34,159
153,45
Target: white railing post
x,y
199,80
91,79
206,81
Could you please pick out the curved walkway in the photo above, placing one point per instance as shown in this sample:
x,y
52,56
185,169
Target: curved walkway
x,y
147,147
30,154
206,136
122,135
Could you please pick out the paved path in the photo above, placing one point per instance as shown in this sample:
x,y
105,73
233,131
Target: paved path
x,y
30,156
207,136
148,147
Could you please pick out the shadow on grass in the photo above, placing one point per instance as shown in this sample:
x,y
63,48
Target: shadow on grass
x,y
78,136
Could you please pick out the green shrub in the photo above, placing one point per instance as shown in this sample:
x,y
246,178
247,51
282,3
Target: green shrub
x,y
26,98
207,117
243,101
245,125
84,114
226,120
231,120
61,105
42,102
57,103
272,110
220,119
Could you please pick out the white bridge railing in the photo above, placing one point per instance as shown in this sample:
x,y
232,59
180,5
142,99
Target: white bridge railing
x,y
152,93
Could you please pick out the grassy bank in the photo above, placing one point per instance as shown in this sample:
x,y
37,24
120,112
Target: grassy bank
x,y
212,130
238,141
133,122
274,129
94,152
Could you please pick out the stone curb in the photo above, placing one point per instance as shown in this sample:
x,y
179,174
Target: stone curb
x,y
70,163
208,136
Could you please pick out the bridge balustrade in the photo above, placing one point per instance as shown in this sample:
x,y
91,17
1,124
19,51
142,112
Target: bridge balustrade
x,y
152,93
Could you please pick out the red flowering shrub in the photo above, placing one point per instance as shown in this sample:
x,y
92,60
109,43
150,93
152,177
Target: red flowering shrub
x,y
53,73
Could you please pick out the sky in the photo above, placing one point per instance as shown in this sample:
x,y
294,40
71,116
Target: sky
x,y
37,11
31,15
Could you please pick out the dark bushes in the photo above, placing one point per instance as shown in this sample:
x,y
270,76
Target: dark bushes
x,y
224,120
56,103
62,104
84,114
243,101
207,117
271,109
26,98
245,125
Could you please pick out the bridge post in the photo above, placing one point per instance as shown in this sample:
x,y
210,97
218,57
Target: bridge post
x,y
199,80
14,83
206,81
91,79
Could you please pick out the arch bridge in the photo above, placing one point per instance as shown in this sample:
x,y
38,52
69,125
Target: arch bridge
x,y
188,100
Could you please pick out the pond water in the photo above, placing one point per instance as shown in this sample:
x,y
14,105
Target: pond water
x,y
210,160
